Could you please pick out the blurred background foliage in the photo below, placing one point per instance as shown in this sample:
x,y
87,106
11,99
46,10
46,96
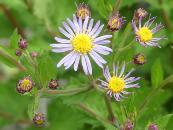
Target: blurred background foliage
x,y
38,22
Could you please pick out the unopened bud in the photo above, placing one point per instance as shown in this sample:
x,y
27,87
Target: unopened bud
x,y
18,52
140,13
34,54
139,59
152,127
115,22
128,125
83,11
39,119
25,85
23,44
53,84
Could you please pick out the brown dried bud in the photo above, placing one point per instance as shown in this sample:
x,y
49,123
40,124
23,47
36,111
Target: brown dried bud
x,y
152,127
83,11
139,59
53,84
18,52
34,54
127,126
115,22
23,44
39,119
140,13
25,85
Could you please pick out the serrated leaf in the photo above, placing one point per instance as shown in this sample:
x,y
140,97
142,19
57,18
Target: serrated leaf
x,y
156,73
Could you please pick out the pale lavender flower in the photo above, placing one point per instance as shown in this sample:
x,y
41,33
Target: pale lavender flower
x,y
144,35
117,85
83,41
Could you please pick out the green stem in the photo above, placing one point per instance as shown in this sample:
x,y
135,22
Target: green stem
x,y
109,108
154,92
66,92
91,112
116,7
11,59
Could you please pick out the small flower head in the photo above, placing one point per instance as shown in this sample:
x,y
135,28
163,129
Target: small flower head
x,y
25,85
145,35
53,84
83,11
152,127
128,125
139,59
82,41
117,84
39,119
140,13
115,22
34,54
23,44
18,52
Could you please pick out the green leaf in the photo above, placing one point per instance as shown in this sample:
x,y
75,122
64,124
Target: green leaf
x,y
163,121
14,40
156,73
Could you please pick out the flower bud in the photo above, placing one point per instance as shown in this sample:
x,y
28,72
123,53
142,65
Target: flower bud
x,y
53,84
115,22
128,125
152,127
25,85
83,11
140,13
34,54
23,44
18,52
139,59
39,119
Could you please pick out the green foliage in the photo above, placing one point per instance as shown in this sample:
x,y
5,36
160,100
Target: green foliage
x,y
84,108
156,73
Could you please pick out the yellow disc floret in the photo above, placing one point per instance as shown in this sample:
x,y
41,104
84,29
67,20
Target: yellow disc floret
x,y
115,23
82,43
25,82
145,34
116,84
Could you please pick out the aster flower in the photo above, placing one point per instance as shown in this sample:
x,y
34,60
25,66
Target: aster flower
x,y
115,22
118,84
82,41
144,35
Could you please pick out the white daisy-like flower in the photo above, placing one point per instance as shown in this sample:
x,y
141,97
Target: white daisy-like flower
x,y
117,85
83,41
144,35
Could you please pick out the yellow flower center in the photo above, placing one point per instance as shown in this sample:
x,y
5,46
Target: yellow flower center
x,y
25,82
83,13
145,34
116,84
82,43
116,23
141,58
